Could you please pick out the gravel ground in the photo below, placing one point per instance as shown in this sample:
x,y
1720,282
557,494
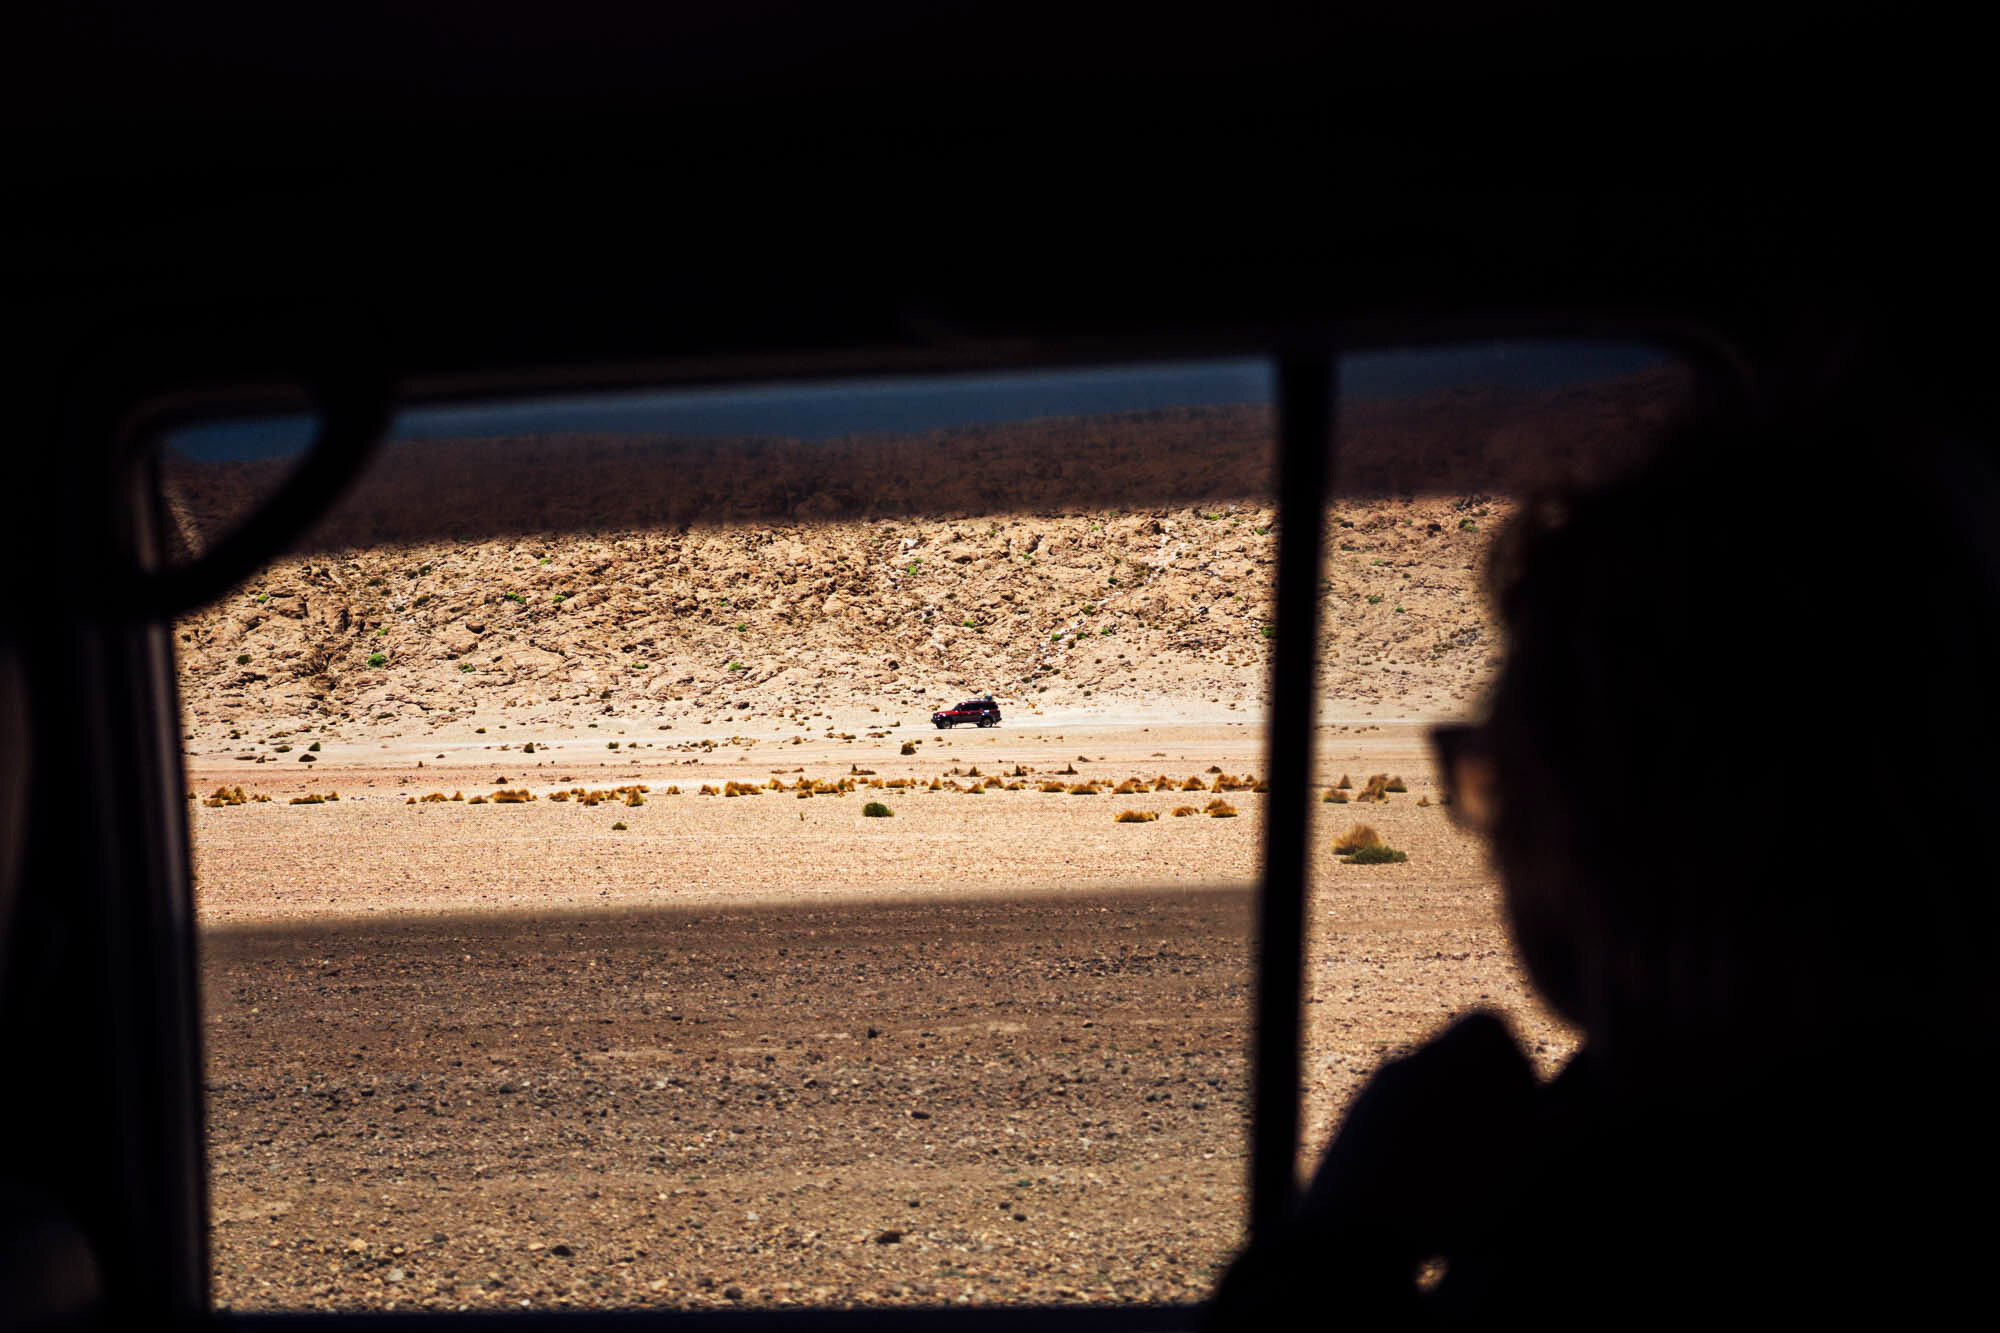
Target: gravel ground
x,y
932,1102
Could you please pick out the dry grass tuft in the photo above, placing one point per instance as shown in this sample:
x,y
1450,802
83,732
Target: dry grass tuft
x,y
909,747
1361,835
1136,816
804,793
308,800
1194,784
1334,796
517,796
672,791
558,796
1163,783
1129,787
634,798
1376,790
619,827
477,800
458,796
1220,809
1345,784
1396,784
1053,786
1423,800
1083,789
1183,811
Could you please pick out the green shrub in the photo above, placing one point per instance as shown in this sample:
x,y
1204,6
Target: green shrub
x,y
242,659
378,659
1268,631
314,747
1374,599
877,810
466,666
1376,854
513,597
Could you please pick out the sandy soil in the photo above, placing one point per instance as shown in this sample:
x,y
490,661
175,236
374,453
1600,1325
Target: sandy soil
x,y
482,1055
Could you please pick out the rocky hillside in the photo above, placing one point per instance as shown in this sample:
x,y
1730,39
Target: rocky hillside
x,y
1068,563
760,621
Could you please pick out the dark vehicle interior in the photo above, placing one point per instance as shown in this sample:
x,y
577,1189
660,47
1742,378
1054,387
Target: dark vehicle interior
x,y
364,206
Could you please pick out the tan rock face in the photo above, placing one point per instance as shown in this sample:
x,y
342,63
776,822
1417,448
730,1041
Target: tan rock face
x,y
1049,609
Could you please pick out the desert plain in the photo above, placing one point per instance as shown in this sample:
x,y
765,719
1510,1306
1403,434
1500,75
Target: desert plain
x,y
667,1048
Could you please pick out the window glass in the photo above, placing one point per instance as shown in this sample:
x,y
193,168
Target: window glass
x,y
593,917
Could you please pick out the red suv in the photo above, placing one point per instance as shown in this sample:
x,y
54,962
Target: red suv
x,y
979,712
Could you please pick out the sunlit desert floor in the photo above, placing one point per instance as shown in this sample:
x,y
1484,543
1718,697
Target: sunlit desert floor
x,y
766,1050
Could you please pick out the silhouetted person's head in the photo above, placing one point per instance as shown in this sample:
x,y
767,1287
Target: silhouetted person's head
x,y
1742,754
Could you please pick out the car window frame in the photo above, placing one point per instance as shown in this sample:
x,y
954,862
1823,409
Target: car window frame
x,y
1305,406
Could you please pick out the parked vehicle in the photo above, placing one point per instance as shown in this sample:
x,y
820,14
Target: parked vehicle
x,y
979,712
